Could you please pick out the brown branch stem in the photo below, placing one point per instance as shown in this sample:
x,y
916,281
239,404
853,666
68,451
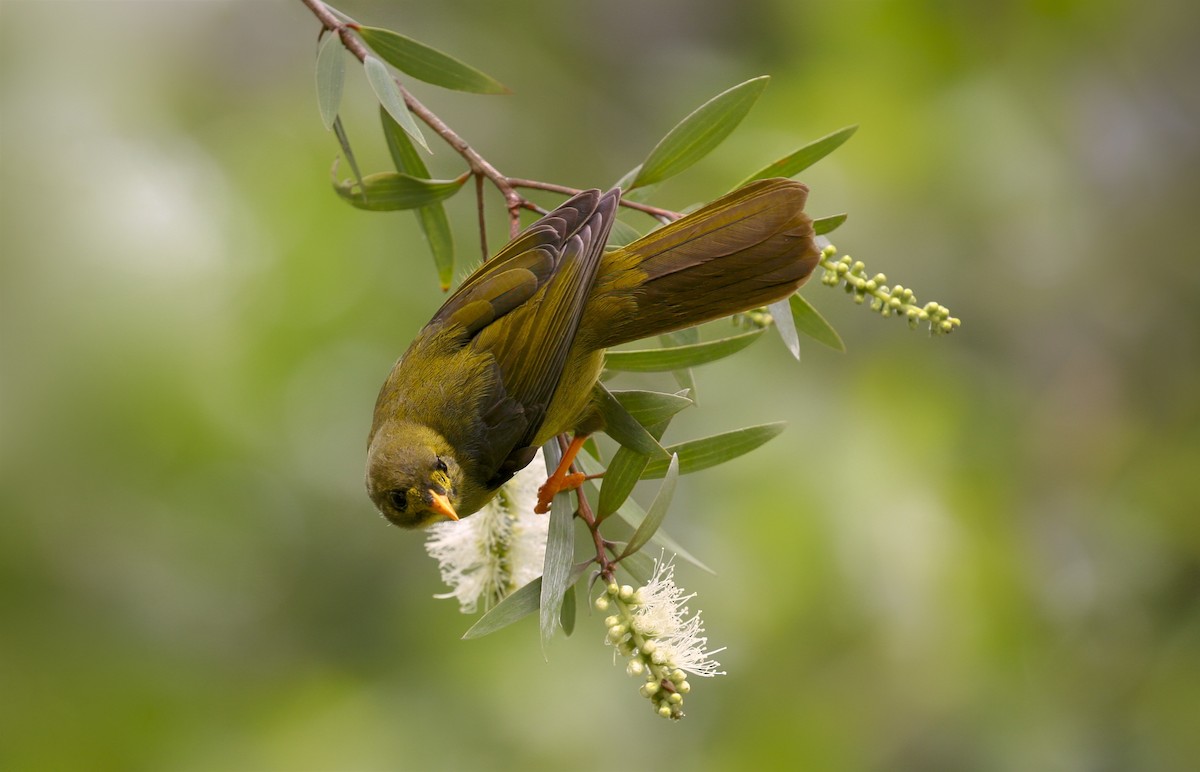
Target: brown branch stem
x,y
479,166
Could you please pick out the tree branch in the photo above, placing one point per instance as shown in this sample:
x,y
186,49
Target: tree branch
x,y
479,166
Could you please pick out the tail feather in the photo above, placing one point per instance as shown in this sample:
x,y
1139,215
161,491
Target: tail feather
x,y
744,250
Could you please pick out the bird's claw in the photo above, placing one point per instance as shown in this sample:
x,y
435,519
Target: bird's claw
x,y
555,485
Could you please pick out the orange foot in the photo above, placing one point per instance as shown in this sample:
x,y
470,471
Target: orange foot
x,y
563,479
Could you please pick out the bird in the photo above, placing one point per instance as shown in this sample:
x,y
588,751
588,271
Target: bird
x,y
510,359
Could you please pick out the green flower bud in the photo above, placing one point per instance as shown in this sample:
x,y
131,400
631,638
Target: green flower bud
x,y
683,687
675,698
649,647
664,711
617,632
602,603
613,589
611,621
678,676
635,668
649,689
626,592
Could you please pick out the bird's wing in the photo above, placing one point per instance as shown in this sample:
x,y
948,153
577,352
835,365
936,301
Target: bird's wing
x,y
523,308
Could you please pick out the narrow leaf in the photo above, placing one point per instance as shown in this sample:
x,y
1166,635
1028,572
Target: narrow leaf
x,y
651,407
431,217
429,64
347,151
556,569
828,224
695,455
331,75
657,511
624,428
623,472
633,514
701,131
567,616
799,160
387,91
389,191
639,566
518,604
812,324
679,357
781,313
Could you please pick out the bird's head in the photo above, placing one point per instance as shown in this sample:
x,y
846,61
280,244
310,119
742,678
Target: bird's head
x,y
412,476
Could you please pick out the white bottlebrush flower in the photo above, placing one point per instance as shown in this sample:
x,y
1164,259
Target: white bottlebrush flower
x,y
498,549
660,614
653,628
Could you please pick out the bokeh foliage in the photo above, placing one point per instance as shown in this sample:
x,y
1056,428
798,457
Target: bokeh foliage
x,y
978,552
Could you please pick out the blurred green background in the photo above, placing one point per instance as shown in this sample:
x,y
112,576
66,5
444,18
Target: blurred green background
x,y
979,552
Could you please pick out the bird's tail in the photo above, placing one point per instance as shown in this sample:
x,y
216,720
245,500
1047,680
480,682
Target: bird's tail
x,y
745,250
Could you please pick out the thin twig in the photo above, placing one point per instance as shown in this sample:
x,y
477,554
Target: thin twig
x,y
482,220
663,215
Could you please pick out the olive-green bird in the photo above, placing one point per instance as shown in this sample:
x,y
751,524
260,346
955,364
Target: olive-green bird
x,y
510,359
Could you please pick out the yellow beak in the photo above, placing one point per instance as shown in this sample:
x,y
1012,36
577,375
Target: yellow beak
x,y
440,504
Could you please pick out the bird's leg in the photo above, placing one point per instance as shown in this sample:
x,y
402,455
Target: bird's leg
x,y
562,479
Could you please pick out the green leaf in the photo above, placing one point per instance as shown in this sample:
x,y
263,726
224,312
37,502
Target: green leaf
x,y
781,313
799,160
429,64
560,545
828,224
633,514
623,427
623,472
651,407
347,151
657,511
696,135
639,566
678,357
331,75
389,191
387,91
432,217
812,324
695,455
567,615
518,604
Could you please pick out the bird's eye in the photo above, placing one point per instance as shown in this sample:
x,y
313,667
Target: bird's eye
x,y
398,500
441,465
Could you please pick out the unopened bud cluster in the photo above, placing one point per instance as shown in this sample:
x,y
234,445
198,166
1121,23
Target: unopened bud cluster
x,y
887,301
